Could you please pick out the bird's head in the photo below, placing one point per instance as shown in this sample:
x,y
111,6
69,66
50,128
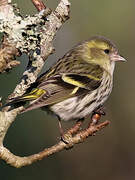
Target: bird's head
x,y
103,52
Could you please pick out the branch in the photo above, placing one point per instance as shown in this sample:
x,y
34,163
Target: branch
x,y
18,162
8,50
52,25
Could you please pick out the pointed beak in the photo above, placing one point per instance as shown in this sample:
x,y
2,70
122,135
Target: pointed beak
x,y
117,57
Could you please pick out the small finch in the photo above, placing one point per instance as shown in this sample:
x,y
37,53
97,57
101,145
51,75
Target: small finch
x,y
78,83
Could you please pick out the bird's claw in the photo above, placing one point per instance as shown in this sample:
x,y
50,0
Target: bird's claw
x,y
67,139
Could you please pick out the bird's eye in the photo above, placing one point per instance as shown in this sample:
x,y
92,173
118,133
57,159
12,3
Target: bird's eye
x,y
107,51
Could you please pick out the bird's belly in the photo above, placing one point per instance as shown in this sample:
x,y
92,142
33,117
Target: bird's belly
x,y
80,106
76,108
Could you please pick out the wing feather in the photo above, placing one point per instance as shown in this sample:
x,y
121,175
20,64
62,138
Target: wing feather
x,y
52,87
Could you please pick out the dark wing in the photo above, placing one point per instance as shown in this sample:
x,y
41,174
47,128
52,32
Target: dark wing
x,y
59,88
62,82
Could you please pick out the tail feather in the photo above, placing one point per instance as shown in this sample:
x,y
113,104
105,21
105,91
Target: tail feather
x,y
35,94
19,99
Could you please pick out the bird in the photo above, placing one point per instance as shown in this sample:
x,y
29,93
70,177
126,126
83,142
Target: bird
x,y
78,83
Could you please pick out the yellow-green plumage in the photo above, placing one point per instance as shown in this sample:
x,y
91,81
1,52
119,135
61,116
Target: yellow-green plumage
x,y
78,83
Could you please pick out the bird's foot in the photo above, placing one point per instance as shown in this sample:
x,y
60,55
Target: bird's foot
x,y
96,115
100,110
67,139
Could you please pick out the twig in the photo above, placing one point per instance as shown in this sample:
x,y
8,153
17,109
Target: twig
x,y
39,5
18,162
3,2
75,128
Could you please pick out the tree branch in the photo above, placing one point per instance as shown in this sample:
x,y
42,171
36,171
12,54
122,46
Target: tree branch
x,y
8,50
18,162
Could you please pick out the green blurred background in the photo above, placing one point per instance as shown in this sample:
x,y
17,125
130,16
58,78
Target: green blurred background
x,y
111,153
